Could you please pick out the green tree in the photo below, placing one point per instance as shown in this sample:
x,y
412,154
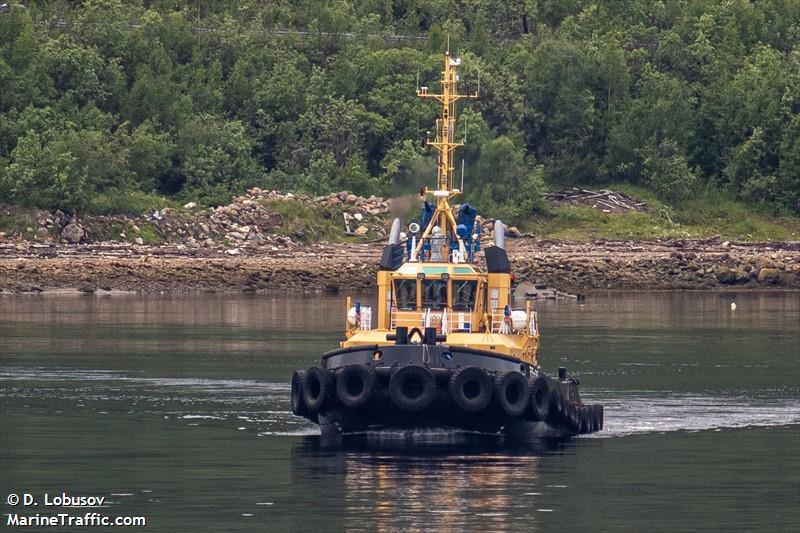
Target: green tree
x,y
216,160
150,154
44,175
665,170
319,96
405,167
506,185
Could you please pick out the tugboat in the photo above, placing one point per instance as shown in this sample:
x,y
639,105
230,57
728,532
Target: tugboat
x,y
443,348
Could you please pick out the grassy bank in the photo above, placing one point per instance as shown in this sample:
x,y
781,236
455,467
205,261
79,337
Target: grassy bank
x,y
309,223
707,215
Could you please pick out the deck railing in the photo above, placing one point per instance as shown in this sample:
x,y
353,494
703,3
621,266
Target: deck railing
x,y
365,324
409,319
459,321
500,323
448,321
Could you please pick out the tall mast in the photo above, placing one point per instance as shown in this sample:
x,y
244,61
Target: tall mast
x,y
445,144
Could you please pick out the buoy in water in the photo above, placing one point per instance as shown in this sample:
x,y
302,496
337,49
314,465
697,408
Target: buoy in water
x,y
733,306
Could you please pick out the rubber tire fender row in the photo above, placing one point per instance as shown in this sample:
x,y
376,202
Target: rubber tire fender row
x,y
511,393
298,404
540,398
412,388
470,389
318,389
355,385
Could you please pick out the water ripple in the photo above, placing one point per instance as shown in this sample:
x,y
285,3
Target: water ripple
x,y
264,406
634,412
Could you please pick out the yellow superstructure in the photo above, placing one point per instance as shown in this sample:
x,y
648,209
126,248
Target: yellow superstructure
x,y
436,286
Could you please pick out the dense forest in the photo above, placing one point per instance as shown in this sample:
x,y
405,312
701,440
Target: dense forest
x,y
108,106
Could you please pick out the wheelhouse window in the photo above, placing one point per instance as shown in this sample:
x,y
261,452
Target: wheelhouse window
x,y
464,294
405,294
434,294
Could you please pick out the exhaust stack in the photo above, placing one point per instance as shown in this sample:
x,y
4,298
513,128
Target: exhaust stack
x,y
394,233
499,234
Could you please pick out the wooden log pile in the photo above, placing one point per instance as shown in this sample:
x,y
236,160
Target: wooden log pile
x,y
604,200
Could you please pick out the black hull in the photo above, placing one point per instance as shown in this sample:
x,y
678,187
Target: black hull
x,y
436,402
439,356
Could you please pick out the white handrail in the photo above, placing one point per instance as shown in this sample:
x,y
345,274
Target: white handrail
x,y
500,323
454,321
366,319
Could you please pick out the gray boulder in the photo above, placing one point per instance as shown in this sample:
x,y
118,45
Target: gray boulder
x,y
769,275
73,233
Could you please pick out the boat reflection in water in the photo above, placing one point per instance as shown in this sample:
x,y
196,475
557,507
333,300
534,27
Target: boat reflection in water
x,y
425,481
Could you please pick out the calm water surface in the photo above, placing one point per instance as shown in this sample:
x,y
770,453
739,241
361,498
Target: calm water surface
x,y
177,409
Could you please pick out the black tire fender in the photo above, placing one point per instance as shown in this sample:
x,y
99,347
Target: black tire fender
x,y
355,385
555,404
540,398
598,416
298,405
511,393
471,389
412,388
586,419
559,406
565,403
574,418
317,389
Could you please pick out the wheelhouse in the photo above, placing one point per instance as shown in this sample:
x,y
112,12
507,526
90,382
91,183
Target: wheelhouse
x,y
447,297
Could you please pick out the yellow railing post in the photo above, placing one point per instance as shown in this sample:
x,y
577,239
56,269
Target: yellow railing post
x,y
346,318
528,314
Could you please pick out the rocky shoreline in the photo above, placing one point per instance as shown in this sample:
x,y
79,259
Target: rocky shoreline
x,y
575,267
270,241
258,221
